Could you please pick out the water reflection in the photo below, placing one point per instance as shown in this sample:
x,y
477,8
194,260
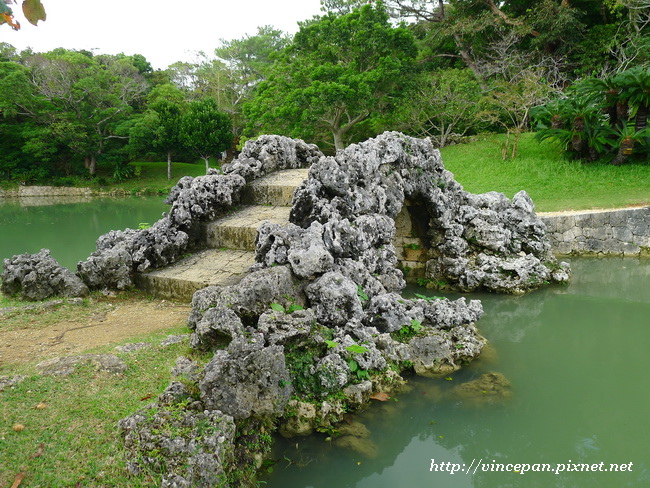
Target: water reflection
x,y
70,230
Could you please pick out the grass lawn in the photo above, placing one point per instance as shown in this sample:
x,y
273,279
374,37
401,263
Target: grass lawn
x,y
152,177
553,182
62,431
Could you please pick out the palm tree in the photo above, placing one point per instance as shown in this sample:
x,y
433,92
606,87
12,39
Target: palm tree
x,y
627,140
636,90
605,91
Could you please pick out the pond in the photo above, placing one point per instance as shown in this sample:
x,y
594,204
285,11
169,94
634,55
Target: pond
x,y
576,358
69,230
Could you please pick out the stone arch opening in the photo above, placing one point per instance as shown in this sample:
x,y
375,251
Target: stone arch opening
x,y
412,240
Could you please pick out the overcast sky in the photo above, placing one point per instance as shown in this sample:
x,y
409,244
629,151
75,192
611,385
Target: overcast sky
x,y
164,31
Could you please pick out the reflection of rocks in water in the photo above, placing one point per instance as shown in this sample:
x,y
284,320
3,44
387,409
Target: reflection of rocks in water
x,y
487,389
625,272
511,318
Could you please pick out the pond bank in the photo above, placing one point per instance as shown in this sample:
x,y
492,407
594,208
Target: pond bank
x,y
81,193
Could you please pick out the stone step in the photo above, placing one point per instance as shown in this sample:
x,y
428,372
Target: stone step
x,y
208,267
274,189
239,230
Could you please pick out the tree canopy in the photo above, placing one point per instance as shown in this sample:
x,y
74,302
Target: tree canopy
x,y
339,72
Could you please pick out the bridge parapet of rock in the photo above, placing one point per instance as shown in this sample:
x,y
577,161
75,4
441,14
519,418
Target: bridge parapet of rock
x,y
228,243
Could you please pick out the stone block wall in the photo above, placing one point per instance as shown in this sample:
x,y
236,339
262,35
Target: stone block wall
x,y
410,240
608,232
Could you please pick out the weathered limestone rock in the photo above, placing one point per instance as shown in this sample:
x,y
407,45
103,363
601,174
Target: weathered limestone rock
x,y
270,153
39,276
196,446
335,299
120,254
247,379
337,262
133,347
245,303
302,420
372,179
10,381
282,328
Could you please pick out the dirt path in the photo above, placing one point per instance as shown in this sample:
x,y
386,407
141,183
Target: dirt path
x,y
121,321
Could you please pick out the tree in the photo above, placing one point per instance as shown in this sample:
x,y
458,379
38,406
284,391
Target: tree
x,y
81,99
445,104
206,130
601,117
249,59
158,129
339,71
168,104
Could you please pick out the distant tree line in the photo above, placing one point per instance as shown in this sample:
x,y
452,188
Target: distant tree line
x,y
434,68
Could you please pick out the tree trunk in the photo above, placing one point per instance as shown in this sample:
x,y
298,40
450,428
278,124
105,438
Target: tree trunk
x,y
169,165
207,164
625,149
92,166
338,138
641,121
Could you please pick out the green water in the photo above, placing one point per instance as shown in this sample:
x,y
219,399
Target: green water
x,y
70,230
577,358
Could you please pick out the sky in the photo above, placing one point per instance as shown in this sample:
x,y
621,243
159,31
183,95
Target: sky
x,y
163,31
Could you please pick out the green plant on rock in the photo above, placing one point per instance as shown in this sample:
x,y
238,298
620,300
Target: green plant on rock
x,y
361,374
407,331
253,439
361,294
293,307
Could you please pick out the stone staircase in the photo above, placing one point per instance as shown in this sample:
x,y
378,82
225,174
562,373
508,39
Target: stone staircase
x,y
229,241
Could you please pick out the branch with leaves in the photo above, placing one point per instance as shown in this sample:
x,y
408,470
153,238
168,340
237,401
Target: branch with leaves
x,y
33,11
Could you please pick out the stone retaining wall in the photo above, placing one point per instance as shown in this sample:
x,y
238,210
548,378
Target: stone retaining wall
x,y
45,191
607,232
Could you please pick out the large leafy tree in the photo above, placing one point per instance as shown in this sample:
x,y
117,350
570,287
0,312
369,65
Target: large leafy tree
x,y
249,59
339,72
444,106
158,129
206,130
79,99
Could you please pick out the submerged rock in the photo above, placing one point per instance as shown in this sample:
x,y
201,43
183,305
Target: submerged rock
x,y
488,388
39,276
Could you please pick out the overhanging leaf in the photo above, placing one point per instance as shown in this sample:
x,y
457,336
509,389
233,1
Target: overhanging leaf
x,y
34,11
4,8
9,19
